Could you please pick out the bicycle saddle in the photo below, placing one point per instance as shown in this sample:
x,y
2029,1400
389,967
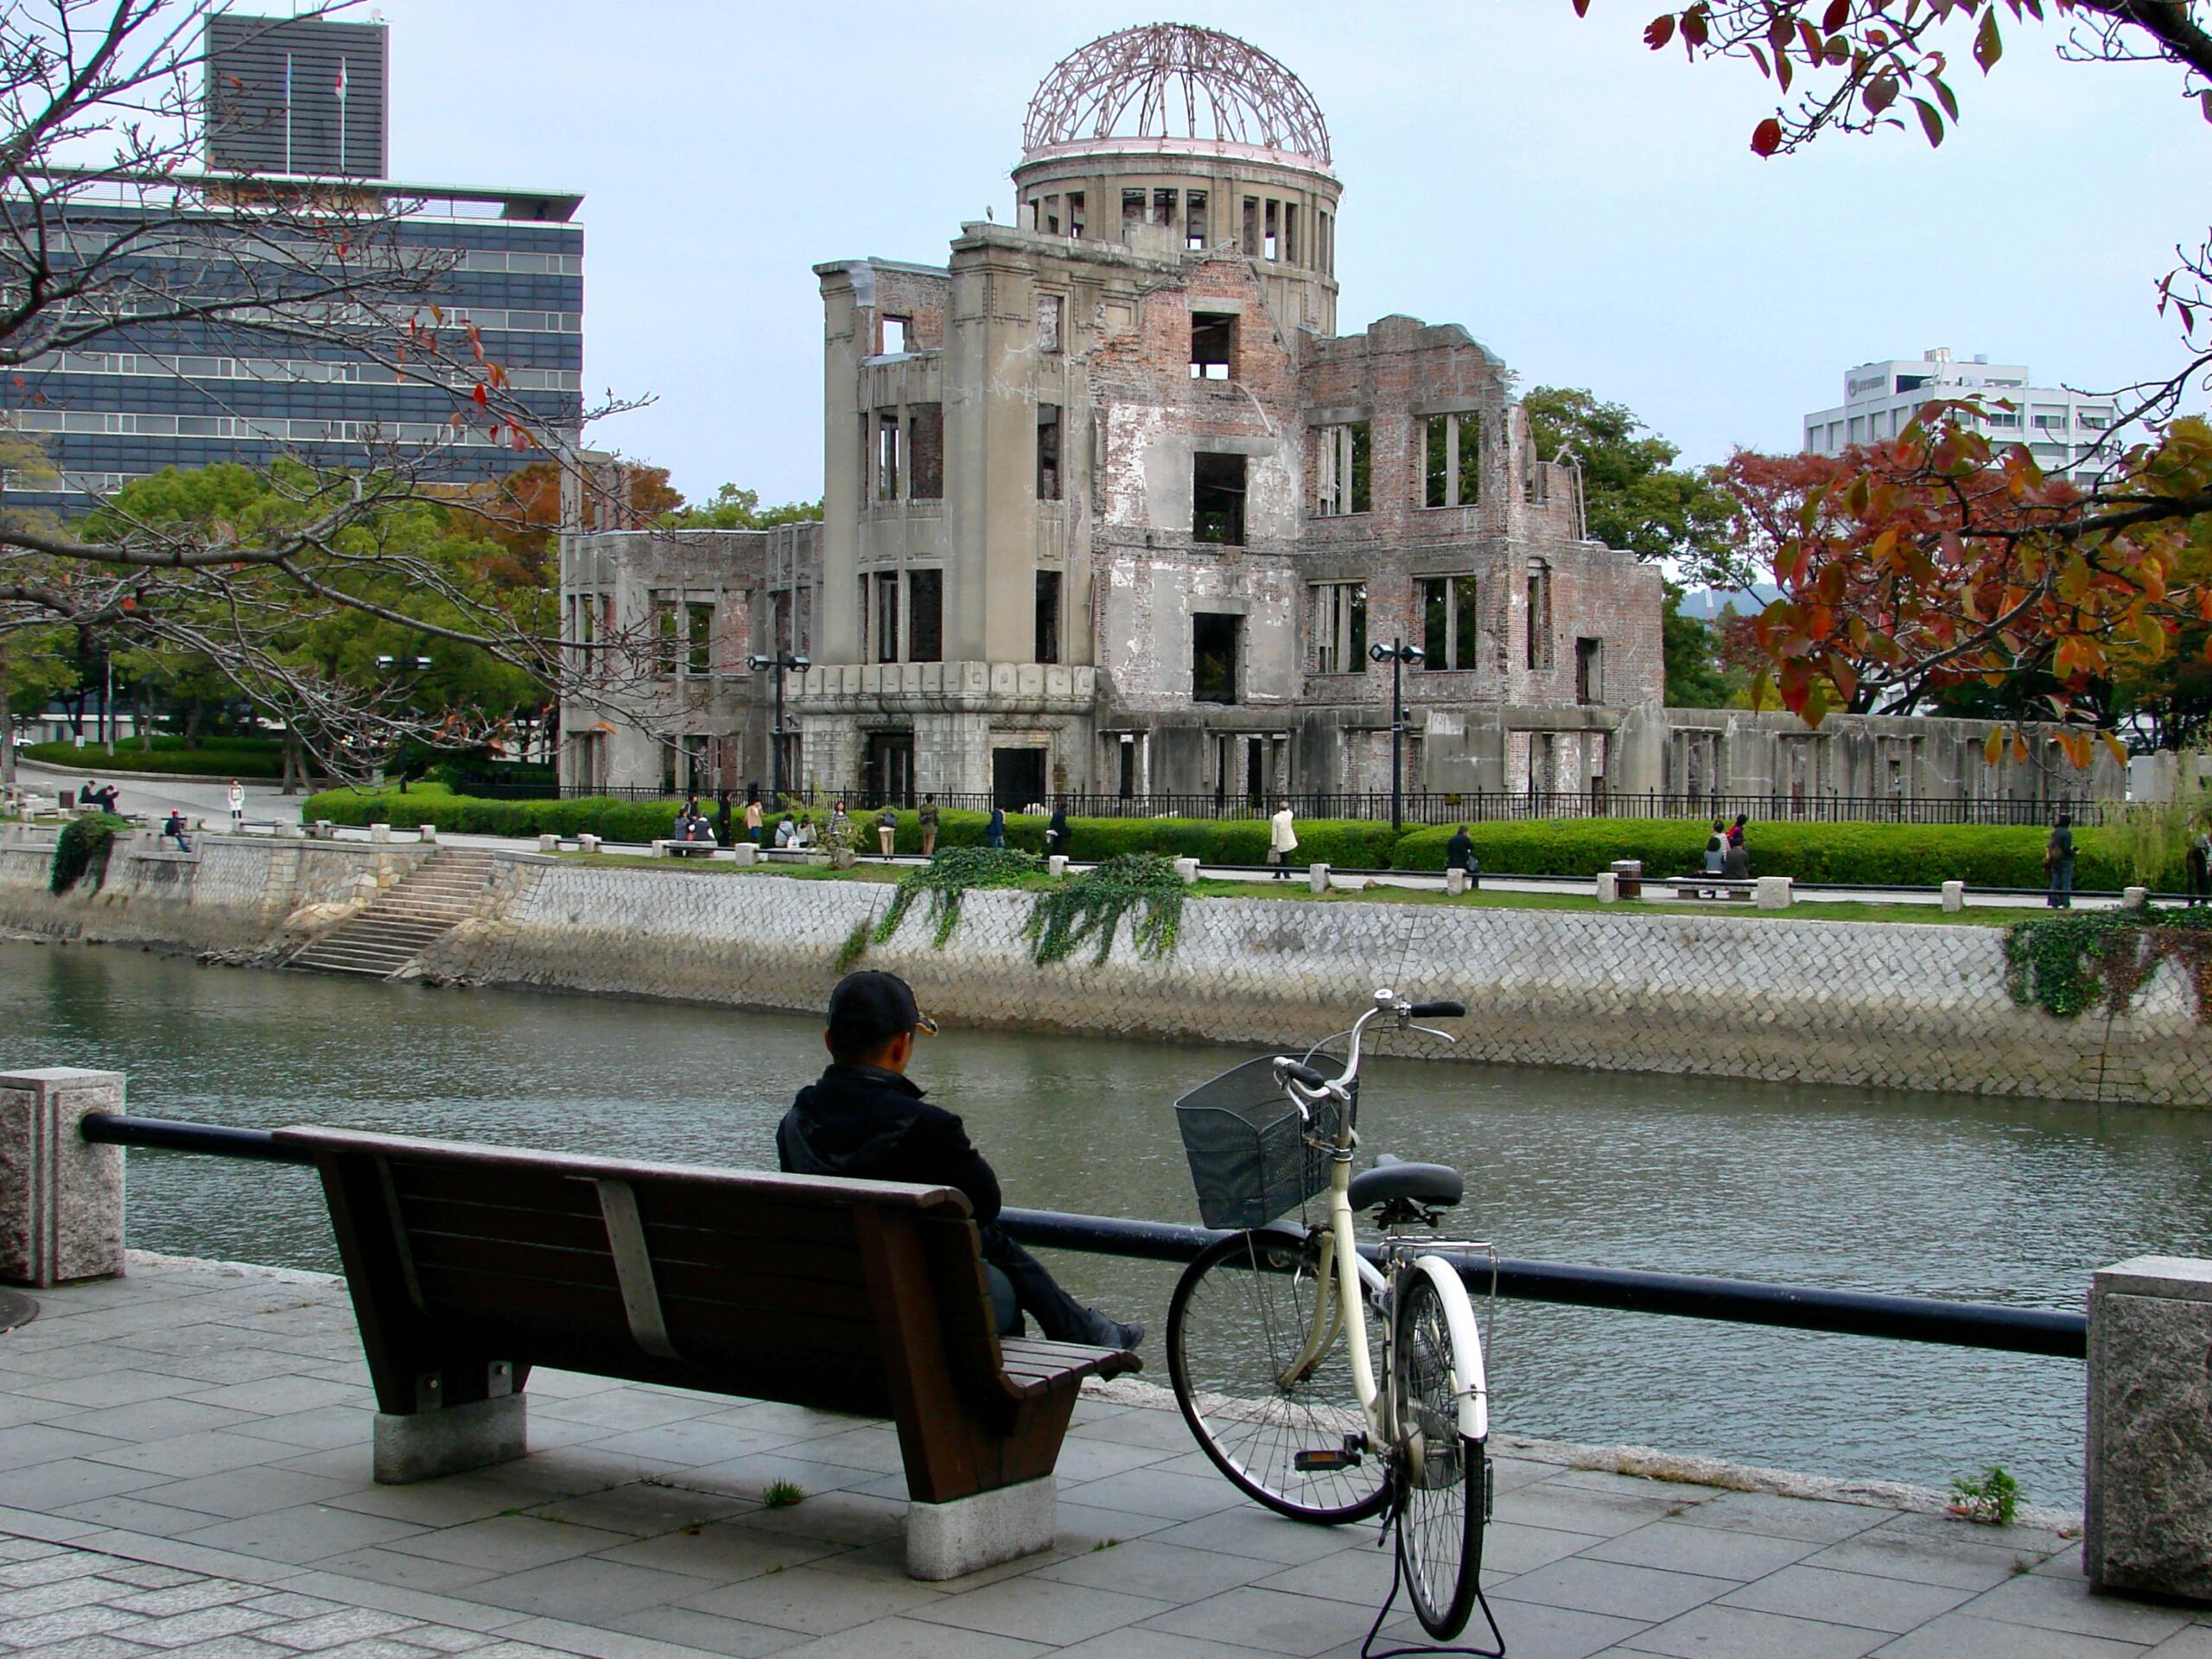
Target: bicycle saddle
x,y
1436,1184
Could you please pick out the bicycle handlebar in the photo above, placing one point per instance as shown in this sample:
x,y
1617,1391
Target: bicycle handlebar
x,y
1437,1011
1298,1071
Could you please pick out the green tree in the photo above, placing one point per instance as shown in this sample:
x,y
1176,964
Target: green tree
x,y
35,664
735,509
1695,676
1634,496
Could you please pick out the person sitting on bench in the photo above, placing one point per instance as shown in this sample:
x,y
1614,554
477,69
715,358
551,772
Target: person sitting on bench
x,y
866,1119
173,831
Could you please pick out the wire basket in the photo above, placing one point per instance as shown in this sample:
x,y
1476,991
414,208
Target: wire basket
x,y
1247,1143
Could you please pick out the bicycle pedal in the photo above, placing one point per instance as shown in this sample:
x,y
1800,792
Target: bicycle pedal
x,y
1317,1463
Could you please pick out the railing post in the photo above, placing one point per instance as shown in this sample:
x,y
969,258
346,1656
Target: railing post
x,y
60,1197
2147,1475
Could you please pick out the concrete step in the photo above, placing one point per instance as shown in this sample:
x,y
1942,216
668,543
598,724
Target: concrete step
x,y
407,919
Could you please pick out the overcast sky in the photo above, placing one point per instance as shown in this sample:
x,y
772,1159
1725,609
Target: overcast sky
x,y
1588,209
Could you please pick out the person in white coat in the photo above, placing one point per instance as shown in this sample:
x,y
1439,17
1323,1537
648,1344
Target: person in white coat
x,y
238,803
1282,842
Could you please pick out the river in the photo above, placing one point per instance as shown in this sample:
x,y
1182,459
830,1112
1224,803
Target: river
x,y
1876,1190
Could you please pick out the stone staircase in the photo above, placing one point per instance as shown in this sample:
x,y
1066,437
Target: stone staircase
x,y
406,919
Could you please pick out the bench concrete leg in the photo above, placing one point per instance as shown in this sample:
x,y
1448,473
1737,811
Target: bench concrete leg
x,y
424,1445
945,1540
2147,1476
60,1197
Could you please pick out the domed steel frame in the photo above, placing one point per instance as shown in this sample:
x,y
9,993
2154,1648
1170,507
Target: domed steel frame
x,y
1139,80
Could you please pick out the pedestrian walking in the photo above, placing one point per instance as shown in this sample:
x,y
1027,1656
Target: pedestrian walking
x,y
754,816
1460,855
1056,832
2058,863
887,829
927,819
995,828
722,818
1283,841
841,826
2198,863
236,794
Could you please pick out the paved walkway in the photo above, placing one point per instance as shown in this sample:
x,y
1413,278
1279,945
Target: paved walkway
x,y
184,1474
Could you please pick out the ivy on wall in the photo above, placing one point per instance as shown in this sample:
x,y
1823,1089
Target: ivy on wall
x,y
83,846
1142,886
2077,961
946,879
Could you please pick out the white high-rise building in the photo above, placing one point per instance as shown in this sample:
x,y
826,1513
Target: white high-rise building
x,y
2066,431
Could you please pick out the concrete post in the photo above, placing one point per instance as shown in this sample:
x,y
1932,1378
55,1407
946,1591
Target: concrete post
x,y
2135,898
61,1198
587,843
1317,877
1609,887
1187,869
286,829
324,830
1954,895
1056,866
379,832
427,832
2147,1476
1772,893
745,853
1455,883
547,842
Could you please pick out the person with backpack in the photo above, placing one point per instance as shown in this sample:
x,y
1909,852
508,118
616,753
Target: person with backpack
x,y
2058,863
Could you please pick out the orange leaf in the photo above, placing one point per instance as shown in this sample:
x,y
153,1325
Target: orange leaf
x,y
1766,137
1995,747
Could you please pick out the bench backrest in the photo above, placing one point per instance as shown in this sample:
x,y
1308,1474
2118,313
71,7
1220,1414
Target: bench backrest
x,y
834,1293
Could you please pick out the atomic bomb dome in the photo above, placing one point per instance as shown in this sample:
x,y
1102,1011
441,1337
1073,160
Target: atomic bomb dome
x,y
1173,86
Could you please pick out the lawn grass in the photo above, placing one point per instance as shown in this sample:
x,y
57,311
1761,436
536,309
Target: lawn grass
x,y
1381,893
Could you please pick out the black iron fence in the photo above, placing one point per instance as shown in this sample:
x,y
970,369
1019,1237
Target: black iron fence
x,y
1418,807
2052,1331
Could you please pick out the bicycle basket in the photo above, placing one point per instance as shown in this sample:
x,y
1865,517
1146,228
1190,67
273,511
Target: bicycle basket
x,y
1247,1143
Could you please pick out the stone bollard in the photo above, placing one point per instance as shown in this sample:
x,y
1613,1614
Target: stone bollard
x,y
1187,869
1771,892
288,831
1609,887
2147,1474
548,843
1954,895
61,1207
379,832
745,853
1056,866
427,832
2135,899
1317,877
586,843
325,830
1455,883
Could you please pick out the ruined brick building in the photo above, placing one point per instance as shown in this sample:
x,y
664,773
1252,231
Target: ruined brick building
x,y
1111,508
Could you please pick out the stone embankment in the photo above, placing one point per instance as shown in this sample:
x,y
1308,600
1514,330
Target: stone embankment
x,y
1884,1005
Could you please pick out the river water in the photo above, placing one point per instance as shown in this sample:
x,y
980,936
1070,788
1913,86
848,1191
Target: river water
x,y
1916,1194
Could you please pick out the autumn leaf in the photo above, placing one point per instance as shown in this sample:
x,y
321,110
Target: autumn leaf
x,y
1880,93
1989,45
1994,750
1931,122
1659,31
1838,13
1766,137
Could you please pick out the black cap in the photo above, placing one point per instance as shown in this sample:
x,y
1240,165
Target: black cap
x,y
872,1008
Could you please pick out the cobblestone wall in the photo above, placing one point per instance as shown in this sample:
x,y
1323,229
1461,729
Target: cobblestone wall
x,y
1898,1005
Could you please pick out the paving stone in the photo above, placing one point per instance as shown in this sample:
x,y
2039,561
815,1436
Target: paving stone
x,y
37,1443
2054,1604
1715,1632
1642,1592
238,1493
589,1592
1151,1491
73,1621
333,1629
811,1601
1273,1621
1961,1566
91,1646
508,1544
1166,1573
908,1638
689,1628
1961,1636
147,1575
181,1597
305,1531
50,1568
183,1630
644,1510
1786,1517
1712,1551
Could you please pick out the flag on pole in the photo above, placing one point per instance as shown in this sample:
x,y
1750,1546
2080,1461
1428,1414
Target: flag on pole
x,y
340,87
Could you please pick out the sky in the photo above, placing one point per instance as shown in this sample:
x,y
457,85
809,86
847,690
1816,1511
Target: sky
x,y
1587,208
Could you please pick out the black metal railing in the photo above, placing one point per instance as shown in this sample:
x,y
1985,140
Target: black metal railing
x,y
1739,1301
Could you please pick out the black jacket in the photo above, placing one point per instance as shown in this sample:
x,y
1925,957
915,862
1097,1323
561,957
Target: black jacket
x,y
1459,853
873,1125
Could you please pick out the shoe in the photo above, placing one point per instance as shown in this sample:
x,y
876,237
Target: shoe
x,y
1112,1333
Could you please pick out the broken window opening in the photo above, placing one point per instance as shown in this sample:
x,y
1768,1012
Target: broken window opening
x,y
887,617
1213,345
667,634
925,452
1075,213
891,335
1048,214
1218,498
1049,310
1214,639
887,455
867,436
1132,210
1540,614
699,636
1251,242
1450,626
1128,747
1469,435
1344,469
1589,671
1452,460
925,616
1194,221
1163,207
1340,627
1048,452
1048,616
1271,237
1290,232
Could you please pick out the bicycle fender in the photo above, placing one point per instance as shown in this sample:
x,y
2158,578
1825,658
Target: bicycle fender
x,y
1470,1383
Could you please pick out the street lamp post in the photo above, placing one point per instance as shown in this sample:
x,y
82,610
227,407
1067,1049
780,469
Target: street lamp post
x,y
1397,653
398,668
781,663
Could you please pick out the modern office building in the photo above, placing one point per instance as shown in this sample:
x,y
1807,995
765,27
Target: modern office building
x,y
162,390
2066,431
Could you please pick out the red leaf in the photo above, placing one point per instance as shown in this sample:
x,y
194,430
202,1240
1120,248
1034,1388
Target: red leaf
x,y
1695,31
1659,31
1988,44
1931,120
482,397
1838,13
1582,8
1766,137
1880,93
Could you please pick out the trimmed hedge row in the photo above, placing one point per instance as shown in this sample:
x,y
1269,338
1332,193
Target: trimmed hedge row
x,y
205,762
1867,855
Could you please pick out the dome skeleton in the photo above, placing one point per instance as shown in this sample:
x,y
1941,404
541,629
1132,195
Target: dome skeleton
x,y
1252,98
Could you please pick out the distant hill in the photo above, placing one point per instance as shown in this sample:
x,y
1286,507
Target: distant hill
x,y
1706,603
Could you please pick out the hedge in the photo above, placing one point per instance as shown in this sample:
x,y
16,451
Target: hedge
x,y
264,760
1866,855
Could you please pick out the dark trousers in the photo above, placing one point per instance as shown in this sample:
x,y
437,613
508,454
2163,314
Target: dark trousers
x,y
1020,1284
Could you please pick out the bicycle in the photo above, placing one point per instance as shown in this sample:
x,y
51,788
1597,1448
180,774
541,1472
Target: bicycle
x,y
1273,1331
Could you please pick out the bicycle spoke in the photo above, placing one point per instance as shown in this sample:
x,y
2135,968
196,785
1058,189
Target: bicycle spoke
x,y
1438,1469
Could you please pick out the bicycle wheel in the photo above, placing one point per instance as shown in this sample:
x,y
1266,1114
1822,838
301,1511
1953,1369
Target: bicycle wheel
x,y
1438,1469
1242,1316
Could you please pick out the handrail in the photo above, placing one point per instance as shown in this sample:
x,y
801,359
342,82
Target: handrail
x,y
1740,1301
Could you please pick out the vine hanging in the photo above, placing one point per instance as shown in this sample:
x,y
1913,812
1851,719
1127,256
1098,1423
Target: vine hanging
x,y
2067,964
1091,905
946,879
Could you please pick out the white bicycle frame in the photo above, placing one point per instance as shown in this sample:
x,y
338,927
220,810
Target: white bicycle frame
x,y
1355,1276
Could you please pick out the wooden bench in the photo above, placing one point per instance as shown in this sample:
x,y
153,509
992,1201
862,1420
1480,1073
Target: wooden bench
x,y
685,848
1711,886
469,1265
